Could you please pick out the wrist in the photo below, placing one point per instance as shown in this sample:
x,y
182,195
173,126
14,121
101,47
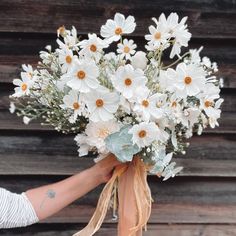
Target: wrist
x,y
96,175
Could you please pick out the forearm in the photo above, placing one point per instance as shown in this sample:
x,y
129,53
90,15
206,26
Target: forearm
x,y
49,199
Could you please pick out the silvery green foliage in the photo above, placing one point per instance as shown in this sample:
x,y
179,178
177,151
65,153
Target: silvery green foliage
x,y
170,171
161,160
120,144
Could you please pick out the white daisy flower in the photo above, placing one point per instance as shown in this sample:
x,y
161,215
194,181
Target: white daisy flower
x,y
149,106
127,79
214,115
113,29
23,88
190,116
144,133
101,104
189,80
97,132
28,71
92,47
83,76
70,39
158,35
126,49
177,30
166,80
66,58
74,102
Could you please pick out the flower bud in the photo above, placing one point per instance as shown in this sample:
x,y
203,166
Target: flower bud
x,y
139,60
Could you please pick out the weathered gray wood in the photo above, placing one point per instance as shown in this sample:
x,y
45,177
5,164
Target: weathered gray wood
x,y
161,213
110,229
45,17
25,164
195,191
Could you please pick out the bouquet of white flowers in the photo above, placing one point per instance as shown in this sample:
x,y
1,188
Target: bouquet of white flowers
x,y
134,104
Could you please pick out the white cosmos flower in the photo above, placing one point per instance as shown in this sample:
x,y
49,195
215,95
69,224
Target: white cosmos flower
x,y
70,39
95,135
74,102
144,133
97,132
24,86
149,106
92,47
28,71
189,80
66,58
166,80
215,113
113,29
190,116
127,79
178,31
83,76
158,35
101,104
126,49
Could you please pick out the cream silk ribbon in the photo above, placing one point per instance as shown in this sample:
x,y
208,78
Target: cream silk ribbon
x,y
134,200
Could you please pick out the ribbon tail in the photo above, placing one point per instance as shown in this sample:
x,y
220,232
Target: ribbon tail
x,y
134,199
102,206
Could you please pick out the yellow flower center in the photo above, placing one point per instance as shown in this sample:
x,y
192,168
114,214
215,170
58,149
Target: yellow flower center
x,y
118,31
24,87
76,105
208,104
128,81
68,59
126,49
187,80
145,103
142,134
93,48
81,74
103,133
174,104
99,103
159,104
157,35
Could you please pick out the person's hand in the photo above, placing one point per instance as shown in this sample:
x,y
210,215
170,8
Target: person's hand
x,y
104,168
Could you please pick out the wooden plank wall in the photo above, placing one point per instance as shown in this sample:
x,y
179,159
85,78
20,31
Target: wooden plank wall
x,y
202,201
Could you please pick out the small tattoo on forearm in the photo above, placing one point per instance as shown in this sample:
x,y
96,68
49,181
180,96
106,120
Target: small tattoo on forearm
x,y
49,194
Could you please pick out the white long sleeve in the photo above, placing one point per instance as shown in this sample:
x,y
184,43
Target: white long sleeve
x,y
15,210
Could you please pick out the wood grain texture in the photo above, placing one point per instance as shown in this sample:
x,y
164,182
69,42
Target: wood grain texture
x,y
110,229
25,164
199,202
44,17
195,191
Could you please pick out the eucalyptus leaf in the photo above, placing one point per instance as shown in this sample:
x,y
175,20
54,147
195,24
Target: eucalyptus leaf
x,y
121,145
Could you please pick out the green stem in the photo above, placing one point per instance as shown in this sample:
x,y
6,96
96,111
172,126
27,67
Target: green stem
x,y
175,62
